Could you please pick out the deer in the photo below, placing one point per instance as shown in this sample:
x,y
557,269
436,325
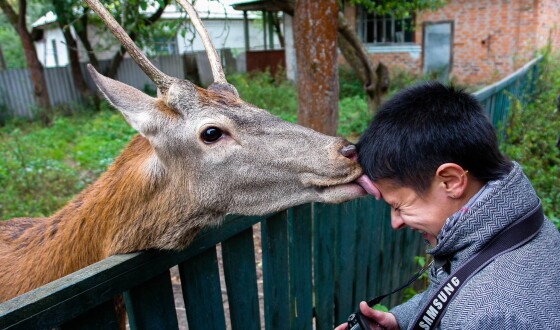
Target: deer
x,y
199,155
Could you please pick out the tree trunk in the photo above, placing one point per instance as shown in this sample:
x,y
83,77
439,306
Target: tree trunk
x,y
278,29
64,19
2,60
35,67
315,26
355,54
80,26
74,60
116,61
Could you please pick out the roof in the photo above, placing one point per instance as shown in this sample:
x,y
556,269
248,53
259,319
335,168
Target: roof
x,y
207,10
262,5
48,18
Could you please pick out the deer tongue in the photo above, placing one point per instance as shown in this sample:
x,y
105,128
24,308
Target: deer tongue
x,y
365,182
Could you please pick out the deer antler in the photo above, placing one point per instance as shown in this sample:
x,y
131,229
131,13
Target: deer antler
x,y
217,70
161,80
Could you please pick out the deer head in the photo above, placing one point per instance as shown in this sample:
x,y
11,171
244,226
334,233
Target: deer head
x,y
223,154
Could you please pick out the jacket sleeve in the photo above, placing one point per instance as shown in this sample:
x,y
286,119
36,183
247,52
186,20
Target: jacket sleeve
x,y
405,313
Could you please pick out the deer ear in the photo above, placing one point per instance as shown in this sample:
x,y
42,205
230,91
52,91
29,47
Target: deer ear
x,y
139,109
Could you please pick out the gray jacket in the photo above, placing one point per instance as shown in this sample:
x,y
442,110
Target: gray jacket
x,y
519,289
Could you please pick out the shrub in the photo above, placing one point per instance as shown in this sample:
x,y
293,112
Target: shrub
x,y
349,84
353,117
275,94
532,134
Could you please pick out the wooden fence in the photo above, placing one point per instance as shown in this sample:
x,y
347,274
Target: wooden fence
x,y
318,261
519,86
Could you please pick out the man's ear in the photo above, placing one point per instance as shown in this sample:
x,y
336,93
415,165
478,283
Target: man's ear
x,y
453,178
139,109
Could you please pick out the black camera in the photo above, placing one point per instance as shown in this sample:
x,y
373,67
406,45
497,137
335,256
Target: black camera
x,y
357,321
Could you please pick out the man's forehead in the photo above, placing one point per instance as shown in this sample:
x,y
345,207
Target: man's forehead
x,y
392,191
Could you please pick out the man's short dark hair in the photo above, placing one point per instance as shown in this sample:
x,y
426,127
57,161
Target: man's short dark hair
x,y
427,125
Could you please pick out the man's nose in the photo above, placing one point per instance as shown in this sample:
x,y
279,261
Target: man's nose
x,y
396,220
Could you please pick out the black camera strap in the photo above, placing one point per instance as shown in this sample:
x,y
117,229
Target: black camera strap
x,y
356,320
377,300
512,237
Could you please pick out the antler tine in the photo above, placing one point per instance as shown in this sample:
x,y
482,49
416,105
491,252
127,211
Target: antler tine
x,y
217,70
161,80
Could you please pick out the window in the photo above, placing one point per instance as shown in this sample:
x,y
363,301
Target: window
x,y
376,29
165,46
55,52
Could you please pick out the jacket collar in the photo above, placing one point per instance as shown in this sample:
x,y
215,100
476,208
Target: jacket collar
x,y
507,200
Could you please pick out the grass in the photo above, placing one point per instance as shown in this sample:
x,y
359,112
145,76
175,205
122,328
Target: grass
x,y
532,135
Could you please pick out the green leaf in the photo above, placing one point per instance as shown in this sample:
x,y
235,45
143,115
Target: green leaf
x,y
380,307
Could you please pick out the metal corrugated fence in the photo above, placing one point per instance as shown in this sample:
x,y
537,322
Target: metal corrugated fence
x,y
16,89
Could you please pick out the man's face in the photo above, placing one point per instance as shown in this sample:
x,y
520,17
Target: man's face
x,y
425,213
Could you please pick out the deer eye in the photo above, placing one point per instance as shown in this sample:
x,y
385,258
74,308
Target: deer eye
x,y
211,134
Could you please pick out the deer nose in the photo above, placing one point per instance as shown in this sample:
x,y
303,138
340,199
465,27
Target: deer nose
x,y
349,151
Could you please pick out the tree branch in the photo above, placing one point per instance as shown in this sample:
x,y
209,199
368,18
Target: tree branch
x,y
10,13
133,34
365,72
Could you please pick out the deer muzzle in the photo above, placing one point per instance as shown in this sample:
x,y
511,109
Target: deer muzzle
x,y
350,151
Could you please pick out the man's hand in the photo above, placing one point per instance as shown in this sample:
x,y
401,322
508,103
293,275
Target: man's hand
x,y
379,320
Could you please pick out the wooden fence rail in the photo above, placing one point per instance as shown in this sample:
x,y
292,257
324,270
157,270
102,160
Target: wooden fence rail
x,y
318,261
519,86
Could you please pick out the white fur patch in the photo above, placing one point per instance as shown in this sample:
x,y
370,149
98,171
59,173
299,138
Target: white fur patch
x,y
153,168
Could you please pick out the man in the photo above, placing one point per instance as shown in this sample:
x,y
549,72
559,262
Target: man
x,y
434,156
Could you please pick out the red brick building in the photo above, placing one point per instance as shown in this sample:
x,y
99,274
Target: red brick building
x,y
471,42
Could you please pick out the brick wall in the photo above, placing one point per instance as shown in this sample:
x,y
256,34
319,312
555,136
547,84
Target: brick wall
x,y
491,38
548,24
401,60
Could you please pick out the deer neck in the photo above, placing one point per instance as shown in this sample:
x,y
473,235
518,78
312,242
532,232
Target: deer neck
x,y
133,206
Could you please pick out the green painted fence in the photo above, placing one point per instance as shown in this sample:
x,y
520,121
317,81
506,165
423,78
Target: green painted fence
x,y
318,261
519,86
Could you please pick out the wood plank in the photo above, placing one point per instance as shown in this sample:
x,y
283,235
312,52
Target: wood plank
x,y
240,275
151,305
363,250
324,224
275,274
379,221
100,317
345,241
301,302
200,281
